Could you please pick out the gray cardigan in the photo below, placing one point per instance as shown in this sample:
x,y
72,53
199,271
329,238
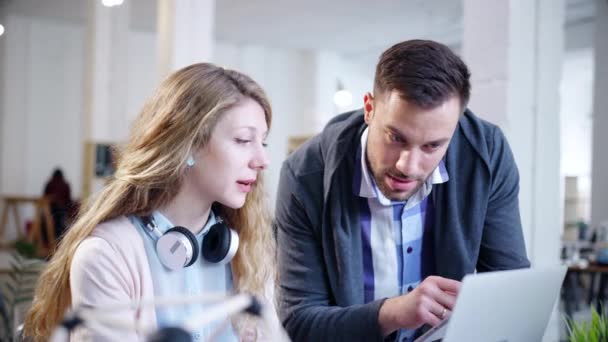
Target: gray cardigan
x,y
475,225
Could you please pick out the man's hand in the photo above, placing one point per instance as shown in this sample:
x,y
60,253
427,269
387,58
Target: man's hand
x,y
429,303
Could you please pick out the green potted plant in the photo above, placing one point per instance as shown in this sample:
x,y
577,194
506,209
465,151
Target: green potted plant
x,y
595,330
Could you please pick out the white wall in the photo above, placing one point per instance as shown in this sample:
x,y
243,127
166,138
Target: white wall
x,y
285,75
42,115
44,109
576,128
142,75
355,78
43,71
579,35
300,85
2,99
42,87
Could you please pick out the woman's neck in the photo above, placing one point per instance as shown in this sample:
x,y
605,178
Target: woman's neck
x,y
187,210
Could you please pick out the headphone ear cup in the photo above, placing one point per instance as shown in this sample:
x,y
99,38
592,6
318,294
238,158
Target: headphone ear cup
x,y
220,244
177,248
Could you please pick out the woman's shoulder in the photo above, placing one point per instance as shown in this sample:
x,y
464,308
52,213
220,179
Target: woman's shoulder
x,y
118,230
110,267
115,250
114,237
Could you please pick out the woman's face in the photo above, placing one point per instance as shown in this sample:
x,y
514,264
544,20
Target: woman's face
x,y
227,168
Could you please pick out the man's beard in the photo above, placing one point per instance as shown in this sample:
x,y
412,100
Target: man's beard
x,y
397,195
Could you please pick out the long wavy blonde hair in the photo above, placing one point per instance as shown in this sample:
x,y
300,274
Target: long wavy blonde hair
x,y
178,119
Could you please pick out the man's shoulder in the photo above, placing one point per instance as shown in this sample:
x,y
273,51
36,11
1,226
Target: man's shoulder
x,y
476,128
479,144
325,149
477,136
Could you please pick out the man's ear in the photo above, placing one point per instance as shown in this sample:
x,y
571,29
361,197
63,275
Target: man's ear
x,y
368,107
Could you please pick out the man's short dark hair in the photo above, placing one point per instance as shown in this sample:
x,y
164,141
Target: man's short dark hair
x,y
424,72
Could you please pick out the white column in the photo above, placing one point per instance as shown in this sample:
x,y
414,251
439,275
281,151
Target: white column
x,y
514,50
3,74
106,73
16,74
105,83
185,33
3,20
599,168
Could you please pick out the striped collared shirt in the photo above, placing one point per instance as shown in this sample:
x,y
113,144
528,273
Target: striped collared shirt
x,y
391,234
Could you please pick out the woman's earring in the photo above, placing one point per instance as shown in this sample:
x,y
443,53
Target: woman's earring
x,y
190,161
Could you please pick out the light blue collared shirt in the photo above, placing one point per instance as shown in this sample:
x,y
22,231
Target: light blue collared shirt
x,y
199,278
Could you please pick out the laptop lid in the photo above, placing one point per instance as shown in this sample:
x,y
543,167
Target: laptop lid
x,y
513,306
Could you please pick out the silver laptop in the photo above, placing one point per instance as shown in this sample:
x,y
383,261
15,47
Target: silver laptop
x,y
505,306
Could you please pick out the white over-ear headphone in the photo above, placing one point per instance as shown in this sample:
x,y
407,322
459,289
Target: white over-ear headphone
x,y
178,248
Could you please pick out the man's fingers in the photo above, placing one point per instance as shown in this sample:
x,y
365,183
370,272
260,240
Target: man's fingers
x,y
433,290
446,300
431,312
447,285
432,318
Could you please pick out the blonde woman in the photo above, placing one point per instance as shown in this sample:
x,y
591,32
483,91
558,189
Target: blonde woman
x,y
194,158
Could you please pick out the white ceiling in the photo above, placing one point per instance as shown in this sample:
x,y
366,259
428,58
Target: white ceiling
x,y
346,26
357,29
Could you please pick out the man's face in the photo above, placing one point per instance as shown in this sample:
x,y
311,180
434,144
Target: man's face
x,y
405,142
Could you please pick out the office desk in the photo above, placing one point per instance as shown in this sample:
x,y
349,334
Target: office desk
x,y
572,285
